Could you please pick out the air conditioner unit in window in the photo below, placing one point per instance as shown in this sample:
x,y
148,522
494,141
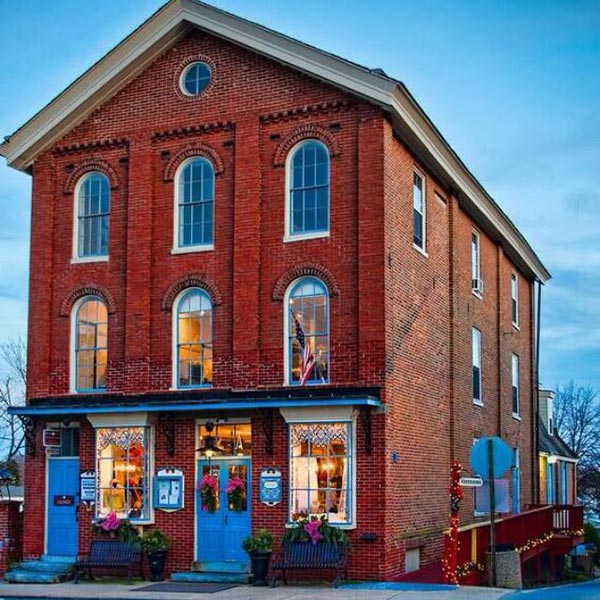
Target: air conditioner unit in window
x,y
477,285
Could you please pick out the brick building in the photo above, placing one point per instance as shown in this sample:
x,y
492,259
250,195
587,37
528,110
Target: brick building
x,y
199,190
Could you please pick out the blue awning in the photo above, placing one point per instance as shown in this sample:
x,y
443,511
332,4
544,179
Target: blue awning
x,y
204,406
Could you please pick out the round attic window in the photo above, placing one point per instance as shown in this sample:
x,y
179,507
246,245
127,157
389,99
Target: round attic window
x,y
195,78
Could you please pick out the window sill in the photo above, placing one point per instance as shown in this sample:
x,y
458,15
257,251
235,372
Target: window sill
x,y
516,326
420,250
308,384
191,249
346,526
98,391
305,236
478,403
75,260
516,417
477,294
180,388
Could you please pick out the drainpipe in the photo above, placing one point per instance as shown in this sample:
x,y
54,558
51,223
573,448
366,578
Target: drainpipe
x,y
536,479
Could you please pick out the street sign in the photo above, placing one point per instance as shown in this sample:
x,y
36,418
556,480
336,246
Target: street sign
x,y
474,482
501,452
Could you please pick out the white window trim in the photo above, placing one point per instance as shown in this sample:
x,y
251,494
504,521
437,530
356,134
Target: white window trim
x,y
477,401
288,236
286,333
476,293
75,258
120,422
423,249
73,344
175,339
513,277
514,360
177,249
353,423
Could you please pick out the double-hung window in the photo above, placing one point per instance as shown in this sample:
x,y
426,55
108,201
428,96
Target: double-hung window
x,y
515,384
514,299
321,472
476,282
92,217
307,196
419,224
476,369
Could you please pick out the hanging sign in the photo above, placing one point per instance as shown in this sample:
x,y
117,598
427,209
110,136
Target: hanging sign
x,y
51,438
87,486
168,489
471,481
270,486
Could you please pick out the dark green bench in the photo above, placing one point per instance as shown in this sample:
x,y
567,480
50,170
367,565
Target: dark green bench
x,y
111,555
305,555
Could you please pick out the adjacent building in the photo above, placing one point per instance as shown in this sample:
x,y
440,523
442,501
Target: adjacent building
x,y
210,197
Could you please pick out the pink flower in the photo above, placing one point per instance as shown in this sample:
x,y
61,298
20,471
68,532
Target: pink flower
x,y
235,483
209,481
111,523
312,528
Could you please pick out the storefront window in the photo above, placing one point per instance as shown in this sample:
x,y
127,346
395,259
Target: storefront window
x,y
122,472
321,471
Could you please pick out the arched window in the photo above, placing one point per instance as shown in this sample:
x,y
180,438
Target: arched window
x,y
308,189
90,344
193,339
92,216
195,184
307,331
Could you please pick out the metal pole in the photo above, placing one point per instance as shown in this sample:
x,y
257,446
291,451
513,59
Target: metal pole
x,y
492,488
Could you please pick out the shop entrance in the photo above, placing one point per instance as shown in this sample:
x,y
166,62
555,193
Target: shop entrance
x,y
223,498
62,499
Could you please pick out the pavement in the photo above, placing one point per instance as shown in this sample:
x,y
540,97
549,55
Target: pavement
x,y
105,591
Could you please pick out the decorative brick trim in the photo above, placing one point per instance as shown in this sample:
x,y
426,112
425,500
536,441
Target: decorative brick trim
x,y
305,132
107,144
191,280
196,150
90,289
306,110
193,130
188,61
305,270
91,164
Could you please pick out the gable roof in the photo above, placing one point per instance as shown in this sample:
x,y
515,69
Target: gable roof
x,y
177,17
554,444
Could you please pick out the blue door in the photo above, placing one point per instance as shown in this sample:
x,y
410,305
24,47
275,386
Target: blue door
x,y
62,498
220,533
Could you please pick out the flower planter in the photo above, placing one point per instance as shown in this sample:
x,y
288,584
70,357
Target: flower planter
x,y
260,567
156,563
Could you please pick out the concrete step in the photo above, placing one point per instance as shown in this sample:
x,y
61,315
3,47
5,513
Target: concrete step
x,y
42,566
21,576
220,566
211,577
57,558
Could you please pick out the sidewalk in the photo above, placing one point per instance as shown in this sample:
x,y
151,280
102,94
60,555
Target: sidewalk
x,y
100,591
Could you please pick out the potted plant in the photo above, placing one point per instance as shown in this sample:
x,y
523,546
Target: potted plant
x,y
155,544
259,547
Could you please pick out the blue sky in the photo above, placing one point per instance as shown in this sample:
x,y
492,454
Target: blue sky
x,y
513,86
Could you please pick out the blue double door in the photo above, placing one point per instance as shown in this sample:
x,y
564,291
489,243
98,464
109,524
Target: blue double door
x,y
62,533
220,533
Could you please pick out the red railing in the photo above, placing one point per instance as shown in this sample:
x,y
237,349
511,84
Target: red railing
x,y
518,530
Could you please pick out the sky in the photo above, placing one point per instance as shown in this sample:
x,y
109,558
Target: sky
x,y
514,86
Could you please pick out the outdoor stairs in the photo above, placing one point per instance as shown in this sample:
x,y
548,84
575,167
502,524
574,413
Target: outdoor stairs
x,y
215,572
47,569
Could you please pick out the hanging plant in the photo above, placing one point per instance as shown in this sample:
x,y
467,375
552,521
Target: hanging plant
x,y
209,488
236,493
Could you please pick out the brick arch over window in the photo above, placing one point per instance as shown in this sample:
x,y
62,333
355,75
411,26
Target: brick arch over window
x,y
90,289
306,132
92,164
198,150
306,270
191,280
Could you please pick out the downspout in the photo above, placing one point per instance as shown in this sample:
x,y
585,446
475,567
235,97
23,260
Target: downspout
x,y
536,469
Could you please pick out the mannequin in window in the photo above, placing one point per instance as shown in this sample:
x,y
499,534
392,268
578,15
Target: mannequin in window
x,y
114,497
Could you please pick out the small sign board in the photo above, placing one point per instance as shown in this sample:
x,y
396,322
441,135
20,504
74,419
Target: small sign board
x,y
64,500
270,486
168,489
87,486
471,481
51,438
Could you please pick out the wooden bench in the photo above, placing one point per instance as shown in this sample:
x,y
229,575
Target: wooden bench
x,y
110,554
305,555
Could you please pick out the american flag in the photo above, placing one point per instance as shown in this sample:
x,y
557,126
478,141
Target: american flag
x,y
307,359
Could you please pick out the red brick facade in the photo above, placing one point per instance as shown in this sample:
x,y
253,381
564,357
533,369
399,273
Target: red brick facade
x,y
400,321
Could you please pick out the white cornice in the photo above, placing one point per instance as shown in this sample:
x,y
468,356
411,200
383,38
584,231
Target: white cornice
x,y
168,24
